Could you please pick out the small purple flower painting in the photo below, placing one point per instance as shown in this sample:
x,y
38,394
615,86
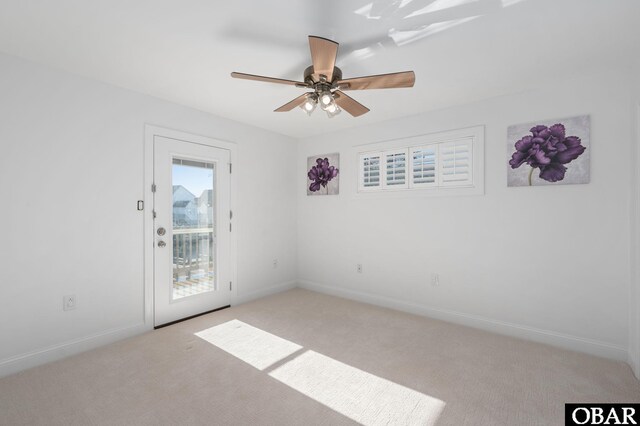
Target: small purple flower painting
x,y
323,174
549,153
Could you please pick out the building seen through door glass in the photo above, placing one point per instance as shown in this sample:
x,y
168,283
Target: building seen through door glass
x,y
193,228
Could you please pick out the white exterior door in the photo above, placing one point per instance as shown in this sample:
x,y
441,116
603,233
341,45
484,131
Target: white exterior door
x,y
191,208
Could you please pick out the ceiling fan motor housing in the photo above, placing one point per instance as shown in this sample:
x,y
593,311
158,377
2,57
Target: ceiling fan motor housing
x,y
308,77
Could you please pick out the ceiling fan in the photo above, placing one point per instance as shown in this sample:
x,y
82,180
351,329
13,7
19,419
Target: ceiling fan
x,y
325,79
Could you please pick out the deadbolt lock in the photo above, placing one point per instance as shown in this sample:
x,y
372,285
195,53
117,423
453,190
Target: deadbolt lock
x,y
161,231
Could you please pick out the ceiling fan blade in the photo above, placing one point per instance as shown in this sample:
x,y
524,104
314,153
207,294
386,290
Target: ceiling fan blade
x,y
267,79
349,104
323,56
292,104
382,81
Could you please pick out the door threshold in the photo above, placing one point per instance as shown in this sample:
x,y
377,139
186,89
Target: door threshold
x,y
191,317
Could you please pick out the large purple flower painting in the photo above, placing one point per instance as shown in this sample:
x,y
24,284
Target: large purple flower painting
x,y
556,152
323,174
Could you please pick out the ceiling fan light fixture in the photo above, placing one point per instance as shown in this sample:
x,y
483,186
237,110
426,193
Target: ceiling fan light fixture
x,y
326,99
310,104
332,112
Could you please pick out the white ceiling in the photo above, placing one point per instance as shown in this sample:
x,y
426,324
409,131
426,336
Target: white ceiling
x,y
184,50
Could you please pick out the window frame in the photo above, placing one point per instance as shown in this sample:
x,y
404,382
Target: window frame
x,y
411,144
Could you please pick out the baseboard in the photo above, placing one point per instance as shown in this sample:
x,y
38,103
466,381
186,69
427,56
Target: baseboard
x,y
53,353
565,341
263,292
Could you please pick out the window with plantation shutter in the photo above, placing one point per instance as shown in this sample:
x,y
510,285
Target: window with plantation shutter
x,y
456,162
395,169
370,171
438,163
424,163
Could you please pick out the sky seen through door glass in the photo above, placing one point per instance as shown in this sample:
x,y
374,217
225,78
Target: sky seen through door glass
x,y
194,179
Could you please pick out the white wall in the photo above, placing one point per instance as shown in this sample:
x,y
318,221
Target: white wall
x,y
550,264
71,171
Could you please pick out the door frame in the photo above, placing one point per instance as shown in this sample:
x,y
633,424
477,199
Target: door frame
x,y
150,131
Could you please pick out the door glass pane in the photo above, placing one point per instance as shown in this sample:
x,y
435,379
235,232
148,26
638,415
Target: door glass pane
x,y
193,228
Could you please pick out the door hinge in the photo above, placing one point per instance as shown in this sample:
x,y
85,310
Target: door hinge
x,y
153,187
230,167
229,227
230,286
230,214
154,214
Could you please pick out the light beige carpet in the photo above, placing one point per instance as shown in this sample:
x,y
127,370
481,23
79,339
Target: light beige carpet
x,y
313,359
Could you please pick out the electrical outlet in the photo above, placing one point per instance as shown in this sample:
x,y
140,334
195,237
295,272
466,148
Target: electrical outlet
x,y
69,302
435,280
275,263
359,268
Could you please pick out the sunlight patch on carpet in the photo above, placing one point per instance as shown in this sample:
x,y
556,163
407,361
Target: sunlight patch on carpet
x,y
250,344
356,394
361,396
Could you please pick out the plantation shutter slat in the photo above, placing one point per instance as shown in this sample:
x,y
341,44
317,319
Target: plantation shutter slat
x,y
456,161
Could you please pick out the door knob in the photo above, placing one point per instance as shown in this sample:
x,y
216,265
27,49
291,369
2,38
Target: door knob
x,y
161,244
161,231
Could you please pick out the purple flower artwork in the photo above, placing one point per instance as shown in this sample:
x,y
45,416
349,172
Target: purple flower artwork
x,y
323,174
554,153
